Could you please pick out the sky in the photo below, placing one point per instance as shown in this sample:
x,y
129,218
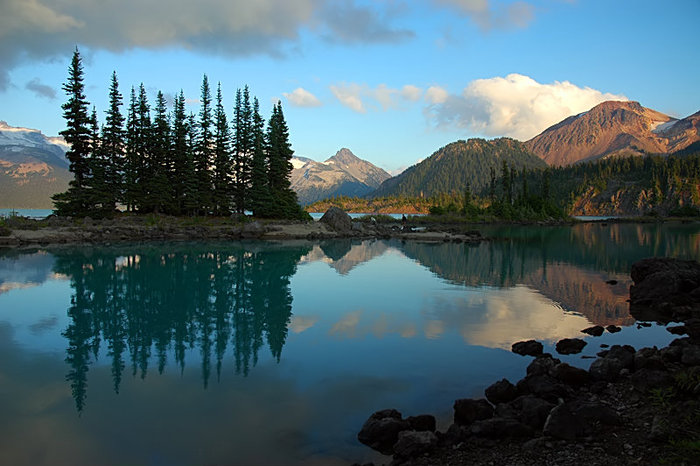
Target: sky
x,y
392,80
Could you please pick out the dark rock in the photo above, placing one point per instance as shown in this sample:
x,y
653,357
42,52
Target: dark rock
x,y
611,282
624,354
454,434
252,230
422,422
528,409
544,386
671,353
528,348
570,346
501,392
570,375
677,330
662,284
337,219
613,328
381,431
468,410
649,358
578,419
605,369
411,443
542,365
499,427
596,330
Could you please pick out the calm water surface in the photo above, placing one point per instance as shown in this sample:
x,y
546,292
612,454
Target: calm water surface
x,y
275,353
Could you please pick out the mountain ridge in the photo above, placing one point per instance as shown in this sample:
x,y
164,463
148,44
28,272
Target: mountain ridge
x,y
614,128
341,174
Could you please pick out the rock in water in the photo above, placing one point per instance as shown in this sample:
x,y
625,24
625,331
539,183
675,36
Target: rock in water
x,y
527,348
337,219
381,431
570,346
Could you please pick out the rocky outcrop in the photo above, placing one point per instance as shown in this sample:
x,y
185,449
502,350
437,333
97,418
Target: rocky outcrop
x,y
337,219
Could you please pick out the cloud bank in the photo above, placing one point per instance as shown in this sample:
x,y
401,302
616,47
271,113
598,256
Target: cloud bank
x,y
515,106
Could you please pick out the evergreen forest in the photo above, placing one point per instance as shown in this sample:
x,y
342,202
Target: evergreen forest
x,y
150,159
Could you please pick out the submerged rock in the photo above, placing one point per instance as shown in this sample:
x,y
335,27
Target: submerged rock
x,y
596,330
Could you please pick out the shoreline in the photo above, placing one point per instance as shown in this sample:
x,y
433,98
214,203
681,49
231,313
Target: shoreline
x,y
631,407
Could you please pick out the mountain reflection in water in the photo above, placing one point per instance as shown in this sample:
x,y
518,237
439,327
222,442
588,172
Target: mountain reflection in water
x,y
323,332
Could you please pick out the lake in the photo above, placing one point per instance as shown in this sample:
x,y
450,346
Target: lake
x,y
276,353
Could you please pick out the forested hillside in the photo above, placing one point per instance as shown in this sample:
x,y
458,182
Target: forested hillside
x,y
459,165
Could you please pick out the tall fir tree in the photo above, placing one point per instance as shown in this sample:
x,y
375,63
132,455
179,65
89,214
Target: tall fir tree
x,y
260,198
180,150
131,161
113,145
242,148
161,196
204,153
191,203
144,160
279,156
75,201
222,158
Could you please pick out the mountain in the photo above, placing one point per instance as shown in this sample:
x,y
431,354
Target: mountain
x,y
459,164
33,167
614,128
343,174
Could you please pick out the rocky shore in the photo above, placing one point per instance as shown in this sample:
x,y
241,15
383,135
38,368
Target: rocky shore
x,y
631,407
335,223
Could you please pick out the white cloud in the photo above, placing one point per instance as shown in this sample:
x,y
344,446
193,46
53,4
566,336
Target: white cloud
x,y
355,96
515,106
349,95
411,92
300,97
436,95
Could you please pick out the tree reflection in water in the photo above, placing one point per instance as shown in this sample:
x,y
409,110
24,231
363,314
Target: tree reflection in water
x,y
147,301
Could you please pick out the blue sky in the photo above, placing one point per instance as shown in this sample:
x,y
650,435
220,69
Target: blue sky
x,y
392,80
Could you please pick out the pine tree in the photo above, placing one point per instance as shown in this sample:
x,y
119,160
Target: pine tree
x,y
113,145
97,185
260,199
204,150
243,140
222,158
279,155
131,161
77,136
161,198
145,168
179,176
191,205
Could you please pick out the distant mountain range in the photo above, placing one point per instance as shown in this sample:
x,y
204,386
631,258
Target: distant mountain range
x,y
342,174
33,167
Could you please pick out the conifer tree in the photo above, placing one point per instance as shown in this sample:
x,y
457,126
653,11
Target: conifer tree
x,y
77,136
203,156
260,198
131,160
191,195
180,149
144,166
113,145
242,148
160,196
222,158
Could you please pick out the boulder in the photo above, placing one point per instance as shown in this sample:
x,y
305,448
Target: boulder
x,y
649,358
422,422
606,369
578,419
570,345
468,410
570,375
411,443
527,348
501,392
623,353
613,328
544,386
381,431
663,287
337,219
596,330
542,365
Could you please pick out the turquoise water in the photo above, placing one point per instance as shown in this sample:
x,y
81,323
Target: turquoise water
x,y
276,353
